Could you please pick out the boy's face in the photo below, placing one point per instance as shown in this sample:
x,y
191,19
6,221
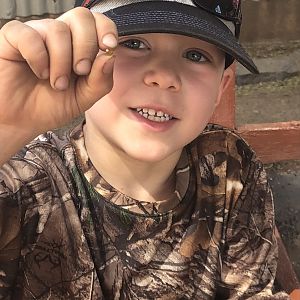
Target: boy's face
x,y
178,78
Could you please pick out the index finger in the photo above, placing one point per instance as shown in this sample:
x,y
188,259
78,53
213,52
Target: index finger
x,y
20,42
107,32
90,31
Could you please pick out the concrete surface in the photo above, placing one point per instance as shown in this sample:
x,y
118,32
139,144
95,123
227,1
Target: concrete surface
x,y
284,178
286,60
270,97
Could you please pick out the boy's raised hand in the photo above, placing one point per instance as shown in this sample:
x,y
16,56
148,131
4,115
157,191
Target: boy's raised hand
x,y
50,71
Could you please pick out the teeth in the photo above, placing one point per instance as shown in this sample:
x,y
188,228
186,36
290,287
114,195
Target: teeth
x,y
151,114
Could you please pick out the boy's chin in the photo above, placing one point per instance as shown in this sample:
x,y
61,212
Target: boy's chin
x,y
152,154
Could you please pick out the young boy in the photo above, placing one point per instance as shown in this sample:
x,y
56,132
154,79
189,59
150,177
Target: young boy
x,y
143,200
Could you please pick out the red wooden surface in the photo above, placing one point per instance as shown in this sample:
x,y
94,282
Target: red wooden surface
x,y
286,276
273,141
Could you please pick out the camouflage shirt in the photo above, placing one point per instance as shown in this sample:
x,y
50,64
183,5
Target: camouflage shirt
x,y
66,233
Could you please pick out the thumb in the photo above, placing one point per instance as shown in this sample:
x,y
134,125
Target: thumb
x,y
90,88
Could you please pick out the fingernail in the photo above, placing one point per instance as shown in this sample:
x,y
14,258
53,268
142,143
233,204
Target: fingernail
x,y
62,83
109,40
108,66
45,74
83,67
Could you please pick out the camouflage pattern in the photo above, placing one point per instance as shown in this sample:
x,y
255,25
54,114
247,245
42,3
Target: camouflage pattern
x,y
66,233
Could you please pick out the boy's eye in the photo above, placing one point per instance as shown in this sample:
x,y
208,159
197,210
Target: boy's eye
x,y
133,44
195,56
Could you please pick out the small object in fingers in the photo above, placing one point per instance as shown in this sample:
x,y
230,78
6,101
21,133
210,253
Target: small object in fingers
x,y
109,52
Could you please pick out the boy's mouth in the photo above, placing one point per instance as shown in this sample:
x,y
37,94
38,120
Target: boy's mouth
x,y
153,115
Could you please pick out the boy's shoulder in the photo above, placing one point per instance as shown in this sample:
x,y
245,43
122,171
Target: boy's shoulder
x,y
39,159
56,142
218,139
221,153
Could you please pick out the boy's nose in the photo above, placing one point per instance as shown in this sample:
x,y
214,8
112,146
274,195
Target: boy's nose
x,y
164,77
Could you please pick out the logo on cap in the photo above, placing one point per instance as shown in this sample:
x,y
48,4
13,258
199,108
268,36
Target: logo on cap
x,y
218,9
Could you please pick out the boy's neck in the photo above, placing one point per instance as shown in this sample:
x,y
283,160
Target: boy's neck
x,y
146,181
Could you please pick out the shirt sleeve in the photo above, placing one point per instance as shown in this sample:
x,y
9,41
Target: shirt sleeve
x,y
20,181
249,257
10,224
9,241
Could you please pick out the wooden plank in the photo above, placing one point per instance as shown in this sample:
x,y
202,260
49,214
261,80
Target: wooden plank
x,y
285,276
273,141
225,112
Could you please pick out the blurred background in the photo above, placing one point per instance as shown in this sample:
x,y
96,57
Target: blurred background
x,y
271,34
22,9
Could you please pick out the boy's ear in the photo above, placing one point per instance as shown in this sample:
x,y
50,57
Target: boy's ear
x,y
228,76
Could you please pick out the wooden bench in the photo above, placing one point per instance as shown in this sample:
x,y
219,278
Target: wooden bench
x,y
272,142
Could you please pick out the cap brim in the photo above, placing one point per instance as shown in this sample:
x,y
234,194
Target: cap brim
x,y
178,18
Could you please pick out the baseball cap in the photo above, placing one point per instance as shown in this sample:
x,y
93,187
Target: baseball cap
x,y
214,21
